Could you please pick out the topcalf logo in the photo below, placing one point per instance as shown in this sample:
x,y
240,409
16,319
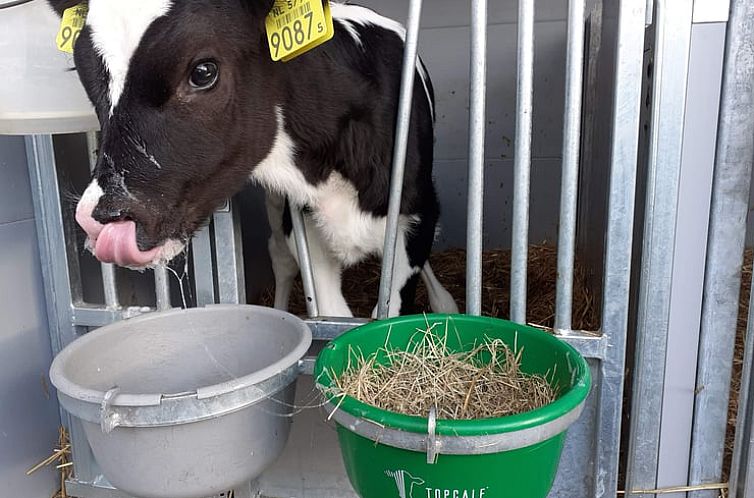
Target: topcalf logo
x,y
409,486
405,483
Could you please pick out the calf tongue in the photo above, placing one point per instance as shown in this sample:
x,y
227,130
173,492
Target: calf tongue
x,y
116,243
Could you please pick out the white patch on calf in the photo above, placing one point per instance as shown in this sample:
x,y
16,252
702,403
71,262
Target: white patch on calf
x,y
348,14
278,172
117,29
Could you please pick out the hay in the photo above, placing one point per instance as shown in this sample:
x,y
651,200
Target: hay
x,y
60,456
484,382
361,285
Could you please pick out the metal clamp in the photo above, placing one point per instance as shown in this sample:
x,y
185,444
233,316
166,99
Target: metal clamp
x,y
432,442
109,419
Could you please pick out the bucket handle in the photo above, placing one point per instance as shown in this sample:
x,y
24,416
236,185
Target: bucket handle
x,y
432,442
109,419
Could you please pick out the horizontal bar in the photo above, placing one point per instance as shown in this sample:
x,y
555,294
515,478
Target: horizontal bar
x,y
327,329
87,490
85,315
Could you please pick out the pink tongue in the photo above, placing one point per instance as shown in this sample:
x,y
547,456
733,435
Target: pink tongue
x,y
116,243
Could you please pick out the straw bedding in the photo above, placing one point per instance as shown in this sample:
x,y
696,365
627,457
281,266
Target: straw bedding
x,y
483,382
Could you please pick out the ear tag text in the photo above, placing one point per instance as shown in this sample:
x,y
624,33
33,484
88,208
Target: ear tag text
x,y
297,26
71,24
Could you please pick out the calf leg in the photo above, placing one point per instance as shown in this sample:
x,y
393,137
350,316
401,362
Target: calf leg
x,y
440,299
405,278
284,265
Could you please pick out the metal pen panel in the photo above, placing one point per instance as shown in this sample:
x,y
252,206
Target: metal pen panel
x,y
305,262
59,273
630,17
570,174
522,160
201,246
671,59
742,469
399,155
729,208
231,288
162,288
477,94
109,284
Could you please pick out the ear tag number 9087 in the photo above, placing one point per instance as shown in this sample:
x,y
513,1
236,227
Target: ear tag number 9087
x,y
297,26
71,24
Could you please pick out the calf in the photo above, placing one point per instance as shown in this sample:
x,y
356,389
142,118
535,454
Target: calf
x,y
191,107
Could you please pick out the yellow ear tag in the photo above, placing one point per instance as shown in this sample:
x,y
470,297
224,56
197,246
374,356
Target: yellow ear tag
x,y
71,24
297,26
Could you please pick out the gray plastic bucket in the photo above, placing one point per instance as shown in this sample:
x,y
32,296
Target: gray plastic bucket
x,y
185,403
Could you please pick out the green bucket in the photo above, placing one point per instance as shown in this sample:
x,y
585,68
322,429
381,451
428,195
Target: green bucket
x,y
389,455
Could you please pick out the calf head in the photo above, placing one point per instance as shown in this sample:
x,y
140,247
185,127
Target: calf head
x,y
185,93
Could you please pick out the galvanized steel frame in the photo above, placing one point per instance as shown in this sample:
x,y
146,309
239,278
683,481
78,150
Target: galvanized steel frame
x,y
69,316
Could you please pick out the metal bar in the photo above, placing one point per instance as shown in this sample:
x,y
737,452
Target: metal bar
x,y
203,275
231,286
330,328
730,196
305,262
570,174
522,160
625,115
742,469
671,59
59,272
83,315
109,283
399,156
162,288
475,211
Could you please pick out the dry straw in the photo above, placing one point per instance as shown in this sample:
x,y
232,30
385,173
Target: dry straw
x,y
483,382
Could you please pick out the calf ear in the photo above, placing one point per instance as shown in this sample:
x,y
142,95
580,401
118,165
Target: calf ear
x,y
61,5
259,8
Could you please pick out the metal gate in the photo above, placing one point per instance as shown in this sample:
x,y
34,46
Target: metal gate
x,y
601,143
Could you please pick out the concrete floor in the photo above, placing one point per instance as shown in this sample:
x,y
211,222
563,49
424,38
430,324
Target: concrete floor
x,y
311,465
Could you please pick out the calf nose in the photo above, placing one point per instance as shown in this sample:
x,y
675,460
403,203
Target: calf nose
x,y
85,208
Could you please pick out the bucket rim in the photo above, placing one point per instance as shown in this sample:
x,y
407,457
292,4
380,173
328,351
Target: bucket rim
x,y
570,402
279,368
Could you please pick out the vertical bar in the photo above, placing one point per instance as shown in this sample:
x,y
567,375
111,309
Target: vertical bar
x,y
522,162
671,59
625,112
570,174
399,155
231,286
478,95
742,470
203,277
305,262
59,274
162,288
109,283
730,196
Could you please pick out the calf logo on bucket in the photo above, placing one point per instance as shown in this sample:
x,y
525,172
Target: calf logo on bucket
x,y
405,482
414,487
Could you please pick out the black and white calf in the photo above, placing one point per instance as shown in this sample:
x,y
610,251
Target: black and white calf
x,y
191,107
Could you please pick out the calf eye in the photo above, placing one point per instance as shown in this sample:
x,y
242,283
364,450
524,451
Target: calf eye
x,y
204,75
